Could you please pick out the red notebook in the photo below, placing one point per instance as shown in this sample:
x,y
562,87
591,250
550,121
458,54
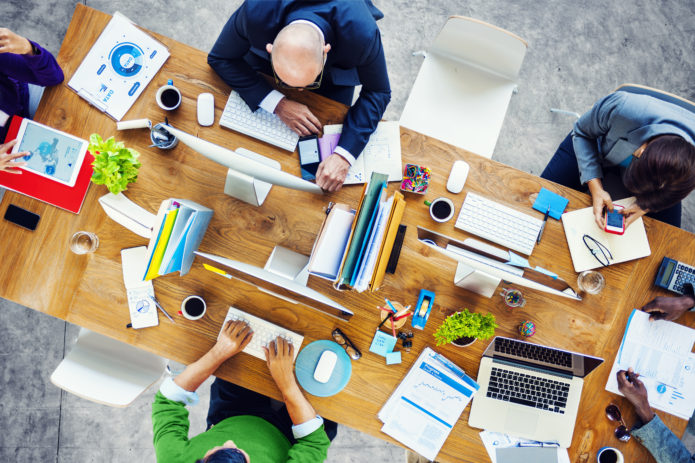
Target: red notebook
x,y
45,189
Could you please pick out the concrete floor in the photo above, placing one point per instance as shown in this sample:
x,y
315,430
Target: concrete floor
x,y
578,52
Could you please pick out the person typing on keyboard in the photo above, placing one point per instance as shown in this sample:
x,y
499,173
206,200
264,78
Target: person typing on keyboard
x,y
243,426
327,47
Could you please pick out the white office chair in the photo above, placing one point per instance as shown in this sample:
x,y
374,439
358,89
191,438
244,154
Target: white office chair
x,y
107,371
462,91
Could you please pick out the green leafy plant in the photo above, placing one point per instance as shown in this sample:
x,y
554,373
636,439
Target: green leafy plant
x,y
114,165
465,324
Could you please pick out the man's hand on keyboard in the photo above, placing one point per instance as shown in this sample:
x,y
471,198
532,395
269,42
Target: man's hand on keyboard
x,y
234,337
280,356
297,117
332,172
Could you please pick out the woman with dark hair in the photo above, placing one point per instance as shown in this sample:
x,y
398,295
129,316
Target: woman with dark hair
x,y
632,145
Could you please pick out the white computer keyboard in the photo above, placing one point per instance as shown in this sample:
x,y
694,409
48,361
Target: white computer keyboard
x,y
499,224
263,333
260,124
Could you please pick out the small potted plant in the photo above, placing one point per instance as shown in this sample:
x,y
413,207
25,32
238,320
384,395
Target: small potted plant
x,y
463,328
114,165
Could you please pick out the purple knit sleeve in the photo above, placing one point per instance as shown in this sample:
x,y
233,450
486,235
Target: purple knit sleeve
x,y
40,69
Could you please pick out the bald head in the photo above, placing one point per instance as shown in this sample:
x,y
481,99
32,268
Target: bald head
x,y
298,54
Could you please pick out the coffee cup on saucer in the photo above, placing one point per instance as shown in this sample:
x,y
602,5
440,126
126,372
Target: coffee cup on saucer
x,y
193,307
609,455
441,209
168,97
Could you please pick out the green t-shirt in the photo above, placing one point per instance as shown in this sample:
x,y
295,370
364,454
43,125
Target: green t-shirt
x,y
263,442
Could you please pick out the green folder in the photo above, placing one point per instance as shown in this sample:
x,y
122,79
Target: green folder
x,y
371,198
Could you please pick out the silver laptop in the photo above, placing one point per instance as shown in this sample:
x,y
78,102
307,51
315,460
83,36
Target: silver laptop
x,y
528,390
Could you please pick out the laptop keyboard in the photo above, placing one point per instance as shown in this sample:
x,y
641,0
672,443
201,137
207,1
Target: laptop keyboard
x,y
533,352
532,391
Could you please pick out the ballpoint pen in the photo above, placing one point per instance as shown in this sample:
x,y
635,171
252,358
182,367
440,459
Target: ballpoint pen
x,y
156,302
545,220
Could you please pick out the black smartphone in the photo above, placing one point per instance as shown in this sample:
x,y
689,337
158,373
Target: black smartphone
x,y
309,158
22,217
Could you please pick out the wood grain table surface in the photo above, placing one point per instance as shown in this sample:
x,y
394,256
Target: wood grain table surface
x,y
39,271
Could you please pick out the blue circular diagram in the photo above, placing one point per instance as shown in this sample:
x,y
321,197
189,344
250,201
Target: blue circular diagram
x,y
126,59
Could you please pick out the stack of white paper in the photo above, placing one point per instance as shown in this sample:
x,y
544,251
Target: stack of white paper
x,y
427,404
660,352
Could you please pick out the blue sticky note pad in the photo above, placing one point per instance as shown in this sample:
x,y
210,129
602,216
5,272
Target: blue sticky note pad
x,y
557,203
393,358
383,343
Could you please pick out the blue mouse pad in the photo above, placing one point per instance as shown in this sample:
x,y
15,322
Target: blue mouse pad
x,y
306,364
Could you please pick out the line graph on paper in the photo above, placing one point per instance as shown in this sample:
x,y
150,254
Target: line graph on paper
x,y
442,393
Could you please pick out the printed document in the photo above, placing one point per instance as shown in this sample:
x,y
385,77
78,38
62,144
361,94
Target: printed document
x,y
427,404
661,352
118,67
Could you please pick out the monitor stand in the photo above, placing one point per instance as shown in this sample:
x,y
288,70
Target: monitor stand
x,y
475,281
287,264
245,187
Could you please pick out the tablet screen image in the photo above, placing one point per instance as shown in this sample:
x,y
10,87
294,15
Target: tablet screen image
x,y
52,154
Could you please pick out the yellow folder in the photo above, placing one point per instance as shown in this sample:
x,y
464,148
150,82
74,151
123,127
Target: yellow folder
x,y
161,245
388,241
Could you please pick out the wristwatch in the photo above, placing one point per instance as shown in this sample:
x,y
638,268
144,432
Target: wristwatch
x,y
34,49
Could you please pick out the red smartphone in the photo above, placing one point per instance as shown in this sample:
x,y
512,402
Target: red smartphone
x,y
615,221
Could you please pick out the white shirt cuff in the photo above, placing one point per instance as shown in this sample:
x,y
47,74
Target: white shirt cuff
x,y
173,391
344,154
306,428
271,100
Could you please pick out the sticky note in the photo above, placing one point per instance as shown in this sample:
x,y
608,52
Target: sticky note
x,y
382,343
393,358
557,203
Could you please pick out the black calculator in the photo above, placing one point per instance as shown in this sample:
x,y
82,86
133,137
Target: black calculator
x,y
672,275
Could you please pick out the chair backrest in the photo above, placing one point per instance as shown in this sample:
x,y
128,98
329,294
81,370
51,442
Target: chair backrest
x,y
660,94
482,45
107,371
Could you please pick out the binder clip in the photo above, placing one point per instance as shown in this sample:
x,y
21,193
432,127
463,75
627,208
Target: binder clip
x,y
422,309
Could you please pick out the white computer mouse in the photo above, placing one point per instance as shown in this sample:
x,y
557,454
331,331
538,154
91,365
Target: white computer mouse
x,y
325,366
457,176
206,109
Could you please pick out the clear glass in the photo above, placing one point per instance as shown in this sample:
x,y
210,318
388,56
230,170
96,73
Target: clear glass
x,y
591,282
84,242
513,297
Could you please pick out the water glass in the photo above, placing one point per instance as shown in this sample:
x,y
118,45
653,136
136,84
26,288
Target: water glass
x,y
84,242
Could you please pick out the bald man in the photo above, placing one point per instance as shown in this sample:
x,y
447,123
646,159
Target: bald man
x,y
327,47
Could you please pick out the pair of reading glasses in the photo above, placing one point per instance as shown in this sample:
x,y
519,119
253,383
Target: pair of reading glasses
x,y
312,86
600,252
344,341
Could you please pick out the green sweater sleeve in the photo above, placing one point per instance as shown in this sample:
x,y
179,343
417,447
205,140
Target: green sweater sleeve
x,y
170,426
310,448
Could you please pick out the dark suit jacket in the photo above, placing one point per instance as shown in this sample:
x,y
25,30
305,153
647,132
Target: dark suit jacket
x,y
356,55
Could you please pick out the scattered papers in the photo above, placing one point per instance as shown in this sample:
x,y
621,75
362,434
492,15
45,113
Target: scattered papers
x,y
426,405
382,153
660,352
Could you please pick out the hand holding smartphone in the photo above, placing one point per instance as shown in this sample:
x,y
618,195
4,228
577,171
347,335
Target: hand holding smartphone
x,y
309,158
615,220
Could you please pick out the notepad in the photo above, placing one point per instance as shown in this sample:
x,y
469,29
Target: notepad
x,y
633,244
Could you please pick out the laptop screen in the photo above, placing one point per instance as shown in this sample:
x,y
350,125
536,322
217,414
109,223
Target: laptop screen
x,y
543,357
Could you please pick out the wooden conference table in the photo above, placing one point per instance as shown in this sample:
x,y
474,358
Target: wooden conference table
x,y
39,271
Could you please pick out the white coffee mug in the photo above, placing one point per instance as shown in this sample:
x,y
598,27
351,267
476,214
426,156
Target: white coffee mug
x,y
439,211
163,101
191,307
605,451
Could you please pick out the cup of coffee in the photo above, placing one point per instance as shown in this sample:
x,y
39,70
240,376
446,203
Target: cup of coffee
x,y
193,307
168,97
441,209
609,455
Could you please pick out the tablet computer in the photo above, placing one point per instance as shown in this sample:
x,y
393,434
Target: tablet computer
x,y
52,153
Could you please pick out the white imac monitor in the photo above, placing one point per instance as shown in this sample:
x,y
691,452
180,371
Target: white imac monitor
x,y
273,282
482,267
250,175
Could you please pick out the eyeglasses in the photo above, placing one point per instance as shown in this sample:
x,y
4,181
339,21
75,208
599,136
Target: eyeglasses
x,y
312,86
344,341
613,414
600,252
